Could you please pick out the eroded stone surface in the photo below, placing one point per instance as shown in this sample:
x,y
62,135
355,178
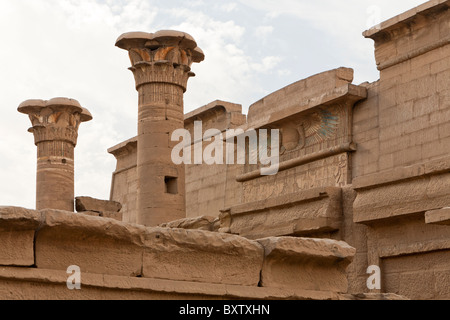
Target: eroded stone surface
x,y
91,204
54,239
313,211
308,264
199,223
95,244
17,230
99,208
441,216
194,255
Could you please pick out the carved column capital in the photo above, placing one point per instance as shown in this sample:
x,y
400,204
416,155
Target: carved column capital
x,y
162,57
57,119
55,128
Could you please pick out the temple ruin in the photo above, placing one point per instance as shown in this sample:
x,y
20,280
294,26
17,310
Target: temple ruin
x,y
363,185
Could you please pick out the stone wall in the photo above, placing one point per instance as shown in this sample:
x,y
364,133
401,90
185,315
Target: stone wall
x,y
378,179
118,260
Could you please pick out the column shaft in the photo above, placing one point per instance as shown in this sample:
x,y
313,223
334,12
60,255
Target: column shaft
x,y
55,175
161,65
161,194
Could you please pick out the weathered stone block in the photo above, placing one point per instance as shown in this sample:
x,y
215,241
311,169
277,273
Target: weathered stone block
x,y
201,256
407,190
96,245
441,216
308,264
16,248
91,204
17,230
312,211
198,223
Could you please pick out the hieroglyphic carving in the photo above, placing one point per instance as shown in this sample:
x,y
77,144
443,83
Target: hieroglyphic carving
x,y
341,169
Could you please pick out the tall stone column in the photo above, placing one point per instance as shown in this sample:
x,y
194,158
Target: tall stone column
x,y
55,128
161,64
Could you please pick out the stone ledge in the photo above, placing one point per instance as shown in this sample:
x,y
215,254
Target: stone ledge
x,y
404,191
307,212
35,284
437,166
306,263
372,296
57,239
440,217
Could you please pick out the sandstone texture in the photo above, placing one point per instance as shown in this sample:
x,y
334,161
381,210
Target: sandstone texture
x,y
357,210
311,264
115,256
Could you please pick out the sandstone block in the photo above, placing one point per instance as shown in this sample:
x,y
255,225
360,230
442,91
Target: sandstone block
x,y
17,230
312,211
96,245
16,248
405,190
199,223
307,264
201,256
96,205
441,216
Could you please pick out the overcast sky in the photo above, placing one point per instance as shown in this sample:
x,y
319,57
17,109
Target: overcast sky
x,y
65,48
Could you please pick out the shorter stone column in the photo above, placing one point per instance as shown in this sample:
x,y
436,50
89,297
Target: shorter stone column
x,y
55,126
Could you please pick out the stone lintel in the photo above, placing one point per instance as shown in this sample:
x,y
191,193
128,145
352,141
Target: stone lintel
x,y
403,191
440,217
306,263
307,212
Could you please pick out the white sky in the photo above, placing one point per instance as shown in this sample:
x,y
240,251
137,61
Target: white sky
x,y
65,48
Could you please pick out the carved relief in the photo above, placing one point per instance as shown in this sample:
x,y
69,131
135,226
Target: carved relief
x,y
340,170
175,55
316,127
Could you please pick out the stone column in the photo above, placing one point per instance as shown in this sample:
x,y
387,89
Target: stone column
x,y
55,128
161,66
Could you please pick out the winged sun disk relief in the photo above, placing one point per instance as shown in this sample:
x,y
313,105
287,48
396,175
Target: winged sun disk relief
x,y
314,128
